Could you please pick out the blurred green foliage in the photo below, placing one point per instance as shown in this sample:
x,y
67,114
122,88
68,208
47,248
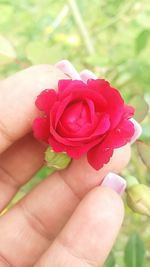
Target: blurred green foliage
x,y
110,37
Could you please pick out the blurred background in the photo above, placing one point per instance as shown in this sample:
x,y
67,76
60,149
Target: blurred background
x,y
110,37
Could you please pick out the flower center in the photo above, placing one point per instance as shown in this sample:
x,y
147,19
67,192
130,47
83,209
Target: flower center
x,y
76,116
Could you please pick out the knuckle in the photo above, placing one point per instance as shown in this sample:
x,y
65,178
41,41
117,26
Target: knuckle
x,y
33,220
8,179
4,262
4,133
75,258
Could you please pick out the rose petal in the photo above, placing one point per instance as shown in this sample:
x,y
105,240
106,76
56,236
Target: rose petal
x,y
115,103
84,118
128,112
64,131
41,128
57,147
77,152
97,84
101,128
80,90
101,154
63,84
45,100
70,116
73,152
121,135
100,102
60,139
66,86
91,108
103,125
58,109
115,106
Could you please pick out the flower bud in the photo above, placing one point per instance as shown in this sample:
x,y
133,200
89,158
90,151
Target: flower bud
x,y
138,198
57,161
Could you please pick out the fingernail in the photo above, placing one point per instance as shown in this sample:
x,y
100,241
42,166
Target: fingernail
x,y
138,131
67,67
115,182
87,74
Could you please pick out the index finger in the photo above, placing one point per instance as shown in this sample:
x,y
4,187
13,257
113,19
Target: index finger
x,y
17,97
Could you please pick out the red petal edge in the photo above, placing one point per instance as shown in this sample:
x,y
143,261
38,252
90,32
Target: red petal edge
x,y
41,129
46,100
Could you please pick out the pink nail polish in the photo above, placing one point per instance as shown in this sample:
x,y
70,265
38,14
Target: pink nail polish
x,y
87,74
115,182
138,131
68,68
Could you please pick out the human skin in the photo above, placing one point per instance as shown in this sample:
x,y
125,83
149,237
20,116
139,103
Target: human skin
x,y
66,219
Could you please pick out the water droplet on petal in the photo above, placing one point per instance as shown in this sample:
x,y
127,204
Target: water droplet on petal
x,y
106,149
118,130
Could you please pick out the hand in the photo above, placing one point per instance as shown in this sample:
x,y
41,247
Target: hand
x,y
68,219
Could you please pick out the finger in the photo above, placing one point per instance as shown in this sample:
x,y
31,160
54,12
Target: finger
x,y
83,177
40,216
87,74
17,165
88,237
68,68
137,132
17,97
16,168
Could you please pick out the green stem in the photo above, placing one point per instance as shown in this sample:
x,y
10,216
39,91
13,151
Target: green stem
x,y
82,28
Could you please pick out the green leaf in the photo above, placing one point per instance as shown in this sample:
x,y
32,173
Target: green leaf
x,y
43,53
142,40
141,107
110,260
134,252
144,152
7,52
146,129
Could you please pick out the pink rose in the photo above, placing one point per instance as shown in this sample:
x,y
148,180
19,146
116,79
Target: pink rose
x,y
84,118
